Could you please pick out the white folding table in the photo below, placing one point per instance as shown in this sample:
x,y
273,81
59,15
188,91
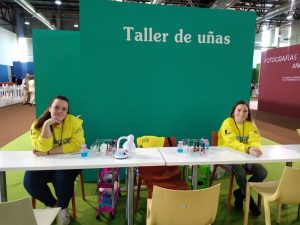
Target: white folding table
x,y
224,155
26,160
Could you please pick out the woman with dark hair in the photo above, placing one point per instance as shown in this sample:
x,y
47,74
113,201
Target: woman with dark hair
x,y
55,132
240,133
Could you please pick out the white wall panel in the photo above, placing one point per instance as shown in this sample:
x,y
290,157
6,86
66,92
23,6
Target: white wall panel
x,y
8,47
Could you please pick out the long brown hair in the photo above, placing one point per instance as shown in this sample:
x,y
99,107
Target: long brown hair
x,y
46,115
241,102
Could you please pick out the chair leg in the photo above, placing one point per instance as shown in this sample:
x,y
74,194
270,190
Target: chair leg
x,y
278,213
139,183
82,186
33,202
230,191
73,207
246,211
267,212
213,175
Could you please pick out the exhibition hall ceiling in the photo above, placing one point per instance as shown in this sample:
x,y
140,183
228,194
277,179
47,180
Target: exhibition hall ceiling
x,y
33,13
270,13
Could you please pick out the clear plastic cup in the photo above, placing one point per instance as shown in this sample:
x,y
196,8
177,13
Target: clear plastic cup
x,y
102,145
186,145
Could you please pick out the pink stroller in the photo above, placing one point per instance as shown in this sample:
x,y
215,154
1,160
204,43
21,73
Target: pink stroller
x,y
108,188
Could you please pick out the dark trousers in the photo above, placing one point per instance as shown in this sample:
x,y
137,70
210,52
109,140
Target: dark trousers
x,y
258,170
36,184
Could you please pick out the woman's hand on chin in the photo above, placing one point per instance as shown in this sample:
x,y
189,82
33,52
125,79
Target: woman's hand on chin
x,y
53,121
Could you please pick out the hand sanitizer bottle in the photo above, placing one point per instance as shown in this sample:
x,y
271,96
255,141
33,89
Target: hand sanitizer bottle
x,y
83,151
180,146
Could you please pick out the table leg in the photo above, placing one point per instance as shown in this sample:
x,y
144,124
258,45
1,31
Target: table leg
x,y
3,192
195,177
186,173
130,190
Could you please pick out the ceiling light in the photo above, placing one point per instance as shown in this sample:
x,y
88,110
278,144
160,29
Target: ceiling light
x,y
26,23
57,2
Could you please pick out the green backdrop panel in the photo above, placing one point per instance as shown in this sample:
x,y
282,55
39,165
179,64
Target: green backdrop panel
x,y
161,88
58,72
57,68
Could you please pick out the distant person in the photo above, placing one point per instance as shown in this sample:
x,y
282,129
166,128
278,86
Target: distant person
x,y
31,91
240,133
55,132
252,88
25,99
19,80
13,78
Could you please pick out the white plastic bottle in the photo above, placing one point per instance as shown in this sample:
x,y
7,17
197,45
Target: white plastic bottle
x,y
83,151
180,146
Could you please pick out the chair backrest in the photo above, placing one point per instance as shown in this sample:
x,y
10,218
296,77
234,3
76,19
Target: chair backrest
x,y
188,207
214,138
158,173
170,142
288,188
17,212
153,141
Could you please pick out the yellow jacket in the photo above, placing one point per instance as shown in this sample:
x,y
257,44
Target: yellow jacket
x,y
229,135
69,135
150,142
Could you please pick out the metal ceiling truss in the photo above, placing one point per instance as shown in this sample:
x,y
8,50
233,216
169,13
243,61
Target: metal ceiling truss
x,y
49,5
262,7
7,14
270,24
277,15
259,7
270,13
30,9
46,11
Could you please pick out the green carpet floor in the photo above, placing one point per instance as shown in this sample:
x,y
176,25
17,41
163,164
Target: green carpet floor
x,y
86,210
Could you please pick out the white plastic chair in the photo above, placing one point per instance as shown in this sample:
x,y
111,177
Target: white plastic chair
x,y
284,191
20,212
183,207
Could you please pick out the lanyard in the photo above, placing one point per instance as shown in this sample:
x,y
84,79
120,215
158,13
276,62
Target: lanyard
x,y
239,129
62,130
